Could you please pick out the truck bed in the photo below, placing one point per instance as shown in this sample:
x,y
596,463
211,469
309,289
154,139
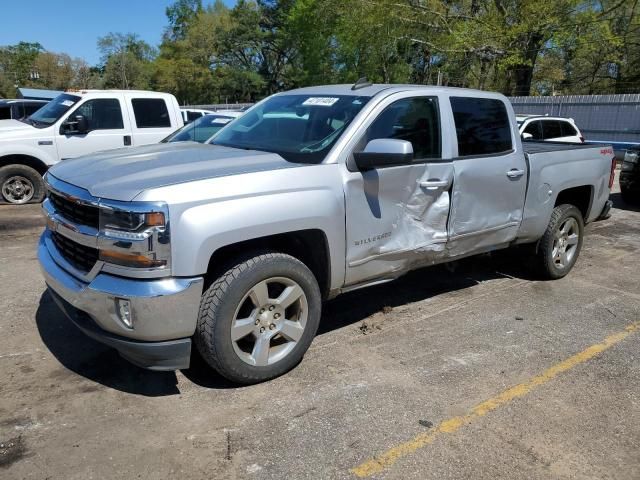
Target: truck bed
x,y
555,167
531,147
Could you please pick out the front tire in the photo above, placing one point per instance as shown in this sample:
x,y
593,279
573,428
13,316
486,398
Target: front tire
x,y
258,318
20,184
561,243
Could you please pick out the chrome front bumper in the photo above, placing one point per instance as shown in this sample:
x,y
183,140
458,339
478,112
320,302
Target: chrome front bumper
x,y
164,310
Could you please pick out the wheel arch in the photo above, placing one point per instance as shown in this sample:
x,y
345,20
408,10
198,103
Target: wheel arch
x,y
580,197
27,160
310,246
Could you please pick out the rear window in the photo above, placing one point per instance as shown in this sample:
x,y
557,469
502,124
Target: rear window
x,y
568,130
551,129
482,126
151,113
191,116
32,108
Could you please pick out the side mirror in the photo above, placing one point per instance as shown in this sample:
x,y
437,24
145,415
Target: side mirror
x,y
76,125
527,136
384,152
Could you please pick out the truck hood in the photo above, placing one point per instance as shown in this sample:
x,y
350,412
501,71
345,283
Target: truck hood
x,y
124,173
13,125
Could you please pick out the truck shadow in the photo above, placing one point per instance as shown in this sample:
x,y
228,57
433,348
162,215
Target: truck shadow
x,y
356,306
94,361
101,364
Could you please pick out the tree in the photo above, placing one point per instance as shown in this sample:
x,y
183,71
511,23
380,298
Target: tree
x,y
127,60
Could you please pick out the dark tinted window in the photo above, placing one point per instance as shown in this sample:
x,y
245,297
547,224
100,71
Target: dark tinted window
x,y
568,130
534,130
151,113
551,129
482,126
5,112
199,130
102,114
32,108
191,116
415,120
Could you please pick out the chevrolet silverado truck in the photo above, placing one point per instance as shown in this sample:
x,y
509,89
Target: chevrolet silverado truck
x,y
77,123
231,247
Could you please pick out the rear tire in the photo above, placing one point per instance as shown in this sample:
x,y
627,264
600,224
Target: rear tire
x,y
559,247
259,317
20,184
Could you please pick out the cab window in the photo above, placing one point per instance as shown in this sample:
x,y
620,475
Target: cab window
x,y
482,126
415,120
102,114
151,113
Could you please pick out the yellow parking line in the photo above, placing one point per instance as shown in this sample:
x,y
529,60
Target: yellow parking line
x,y
391,456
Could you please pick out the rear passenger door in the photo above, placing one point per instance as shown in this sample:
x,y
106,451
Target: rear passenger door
x,y
151,120
489,176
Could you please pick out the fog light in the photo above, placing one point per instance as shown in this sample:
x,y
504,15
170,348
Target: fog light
x,y
123,307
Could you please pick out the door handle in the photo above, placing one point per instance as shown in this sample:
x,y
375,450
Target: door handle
x,y
515,173
433,184
127,140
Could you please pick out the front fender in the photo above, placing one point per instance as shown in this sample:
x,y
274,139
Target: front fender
x,y
251,206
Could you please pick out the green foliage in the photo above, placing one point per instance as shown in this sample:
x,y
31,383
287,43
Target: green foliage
x,y
214,53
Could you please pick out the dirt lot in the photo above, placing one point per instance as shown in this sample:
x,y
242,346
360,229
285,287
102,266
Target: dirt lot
x,y
476,371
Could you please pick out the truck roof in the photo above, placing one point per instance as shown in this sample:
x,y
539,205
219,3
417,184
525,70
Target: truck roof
x,y
373,89
84,91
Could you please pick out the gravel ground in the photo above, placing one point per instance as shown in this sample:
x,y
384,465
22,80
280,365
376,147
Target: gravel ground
x,y
389,366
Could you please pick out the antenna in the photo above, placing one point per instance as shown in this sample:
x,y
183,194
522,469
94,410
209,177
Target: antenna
x,y
361,83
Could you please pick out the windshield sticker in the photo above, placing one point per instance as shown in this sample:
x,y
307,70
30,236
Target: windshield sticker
x,y
67,103
320,101
223,121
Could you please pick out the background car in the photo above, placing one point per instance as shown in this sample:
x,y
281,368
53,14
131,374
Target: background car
x,y
203,128
542,128
15,109
191,114
630,176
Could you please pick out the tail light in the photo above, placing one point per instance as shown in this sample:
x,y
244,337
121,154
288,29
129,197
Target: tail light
x,y
613,172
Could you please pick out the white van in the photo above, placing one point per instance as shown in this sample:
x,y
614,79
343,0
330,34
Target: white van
x,y
78,123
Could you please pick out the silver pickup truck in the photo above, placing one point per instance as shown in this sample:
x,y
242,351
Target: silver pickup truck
x,y
232,246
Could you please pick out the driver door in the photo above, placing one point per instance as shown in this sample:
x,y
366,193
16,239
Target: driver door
x,y
396,217
106,130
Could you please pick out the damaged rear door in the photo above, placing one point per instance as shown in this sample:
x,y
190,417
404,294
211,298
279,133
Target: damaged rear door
x,y
396,217
490,176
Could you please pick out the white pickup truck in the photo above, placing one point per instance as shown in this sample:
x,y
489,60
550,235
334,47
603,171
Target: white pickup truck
x,y
77,123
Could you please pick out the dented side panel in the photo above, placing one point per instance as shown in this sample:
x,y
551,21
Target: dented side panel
x,y
394,220
487,205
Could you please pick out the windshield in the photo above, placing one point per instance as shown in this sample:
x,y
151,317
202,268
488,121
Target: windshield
x,y
199,130
52,111
300,128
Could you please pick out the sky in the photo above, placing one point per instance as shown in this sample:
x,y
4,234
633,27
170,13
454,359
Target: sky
x,y
75,29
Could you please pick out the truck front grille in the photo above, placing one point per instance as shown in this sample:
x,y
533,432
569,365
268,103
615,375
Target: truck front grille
x,y
75,211
81,257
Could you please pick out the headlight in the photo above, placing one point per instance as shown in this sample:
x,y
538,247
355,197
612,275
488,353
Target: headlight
x,y
135,238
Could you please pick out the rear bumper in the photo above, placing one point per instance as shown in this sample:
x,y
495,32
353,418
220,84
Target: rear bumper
x,y
606,211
